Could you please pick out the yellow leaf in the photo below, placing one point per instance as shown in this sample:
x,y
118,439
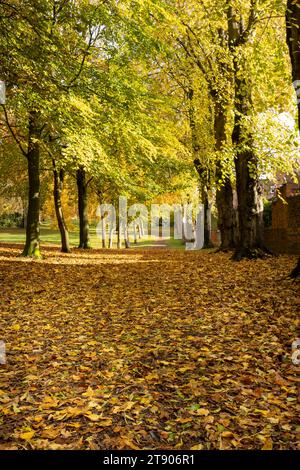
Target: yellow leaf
x,y
129,443
184,420
54,446
74,425
227,434
38,418
99,419
76,377
16,327
125,407
202,412
268,445
89,393
65,434
273,420
73,411
197,447
146,400
26,436
31,377
49,433
92,416
286,427
152,376
48,402
186,368
105,422
262,412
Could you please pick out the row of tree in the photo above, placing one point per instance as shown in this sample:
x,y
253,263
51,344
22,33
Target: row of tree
x,y
82,97
238,48
130,96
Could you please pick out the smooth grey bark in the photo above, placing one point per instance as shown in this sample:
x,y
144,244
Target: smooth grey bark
x,y
84,236
203,175
57,194
202,172
227,216
32,244
103,230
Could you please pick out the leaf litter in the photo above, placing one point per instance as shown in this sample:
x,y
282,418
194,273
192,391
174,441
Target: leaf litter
x,y
150,349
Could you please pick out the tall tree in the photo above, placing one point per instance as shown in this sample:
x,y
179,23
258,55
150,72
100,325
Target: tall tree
x,y
293,40
201,163
58,176
32,245
196,46
82,185
44,52
250,208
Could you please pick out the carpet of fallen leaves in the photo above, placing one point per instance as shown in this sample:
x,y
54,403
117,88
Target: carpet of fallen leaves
x,y
152,349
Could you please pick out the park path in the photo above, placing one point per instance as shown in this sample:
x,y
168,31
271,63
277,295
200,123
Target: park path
x,y
157,243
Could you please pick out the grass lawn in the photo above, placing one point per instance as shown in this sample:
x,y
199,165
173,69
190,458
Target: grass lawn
x,y
52,237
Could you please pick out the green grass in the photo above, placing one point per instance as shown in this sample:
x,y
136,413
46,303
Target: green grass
x,y
178,244
52,237
48,236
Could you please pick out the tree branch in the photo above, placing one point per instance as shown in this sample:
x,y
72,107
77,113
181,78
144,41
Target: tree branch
x,y
13,133
252,20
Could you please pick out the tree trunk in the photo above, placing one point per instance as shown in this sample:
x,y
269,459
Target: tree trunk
x,y
110,241
202,171
250,208
293,40
207,219
119,241
227,216
135,232
140,229
24,218
32,244
296,272
112,229
84,238
102,218
57,192
103,230
126,236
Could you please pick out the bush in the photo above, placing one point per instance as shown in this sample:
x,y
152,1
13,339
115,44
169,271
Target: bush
x,y
268,214
14,219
